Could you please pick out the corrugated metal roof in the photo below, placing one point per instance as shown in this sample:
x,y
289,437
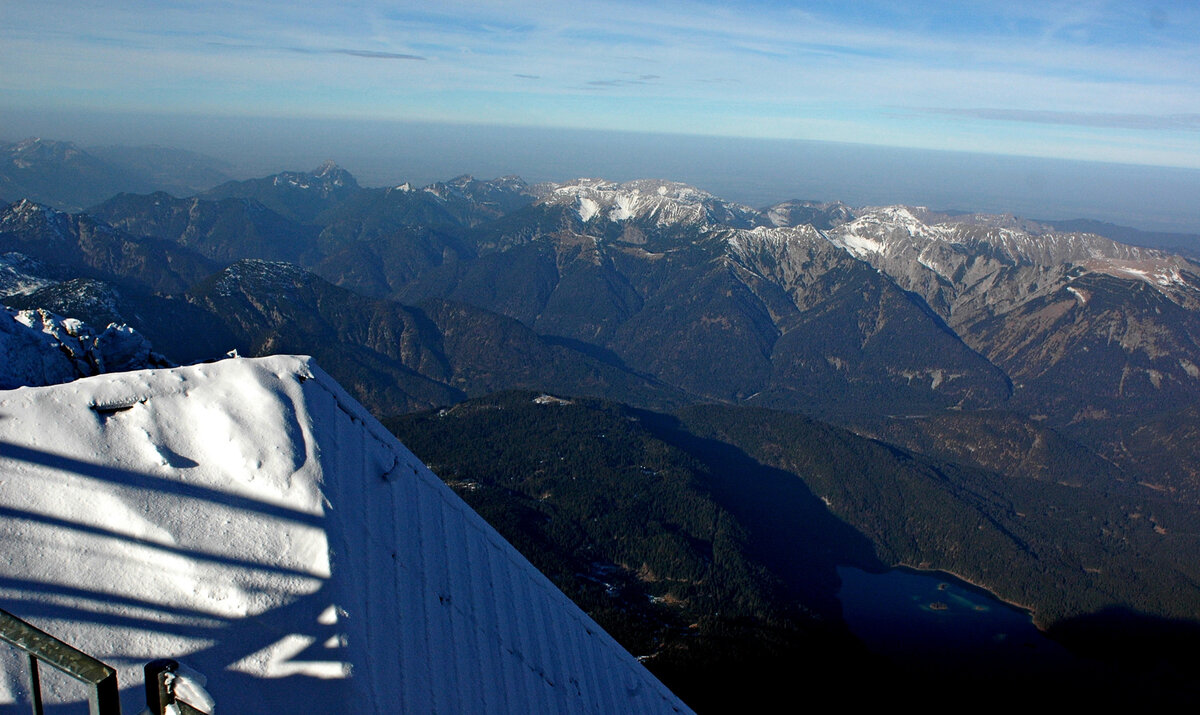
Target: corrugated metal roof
x,y
326,571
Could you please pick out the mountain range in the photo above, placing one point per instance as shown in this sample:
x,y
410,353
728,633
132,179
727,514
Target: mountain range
x,y
820,308
1007,399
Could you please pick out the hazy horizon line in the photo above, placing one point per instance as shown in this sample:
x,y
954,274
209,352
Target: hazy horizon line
x,y
754,171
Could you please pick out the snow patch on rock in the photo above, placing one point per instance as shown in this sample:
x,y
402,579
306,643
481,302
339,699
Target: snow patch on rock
x,y
38,347
656,201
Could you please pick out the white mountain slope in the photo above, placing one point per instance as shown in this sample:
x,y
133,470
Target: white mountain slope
x,y
251,519
900,230
953,261
20,274
662,203
975,266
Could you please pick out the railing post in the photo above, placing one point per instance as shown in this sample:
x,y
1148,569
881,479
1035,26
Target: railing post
x,y
157,696
35,684
105,698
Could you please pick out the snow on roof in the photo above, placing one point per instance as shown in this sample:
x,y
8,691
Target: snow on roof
x,y
250,519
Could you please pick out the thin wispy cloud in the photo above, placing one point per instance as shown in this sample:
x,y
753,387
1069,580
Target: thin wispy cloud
x,y
640,80
757,68
366,54
1148,122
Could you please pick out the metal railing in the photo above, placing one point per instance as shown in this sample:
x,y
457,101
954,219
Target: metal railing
x,y
101,679
39,646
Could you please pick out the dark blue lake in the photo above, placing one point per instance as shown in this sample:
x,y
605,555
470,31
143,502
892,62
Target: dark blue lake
x,y
942,622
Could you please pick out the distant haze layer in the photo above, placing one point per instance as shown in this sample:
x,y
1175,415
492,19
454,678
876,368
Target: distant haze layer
x,y
752,171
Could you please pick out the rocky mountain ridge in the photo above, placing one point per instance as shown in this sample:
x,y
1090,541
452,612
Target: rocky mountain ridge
x,y
658,202
1041,381
822,308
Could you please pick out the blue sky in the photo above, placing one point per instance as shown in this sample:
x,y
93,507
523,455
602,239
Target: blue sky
x,y
1104,81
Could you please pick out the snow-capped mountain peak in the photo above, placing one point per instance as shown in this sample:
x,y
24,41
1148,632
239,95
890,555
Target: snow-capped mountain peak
x,y
325,180
893,229
495,196
329,168
26,216
820,215
874,229
655,201
947,257
25,209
